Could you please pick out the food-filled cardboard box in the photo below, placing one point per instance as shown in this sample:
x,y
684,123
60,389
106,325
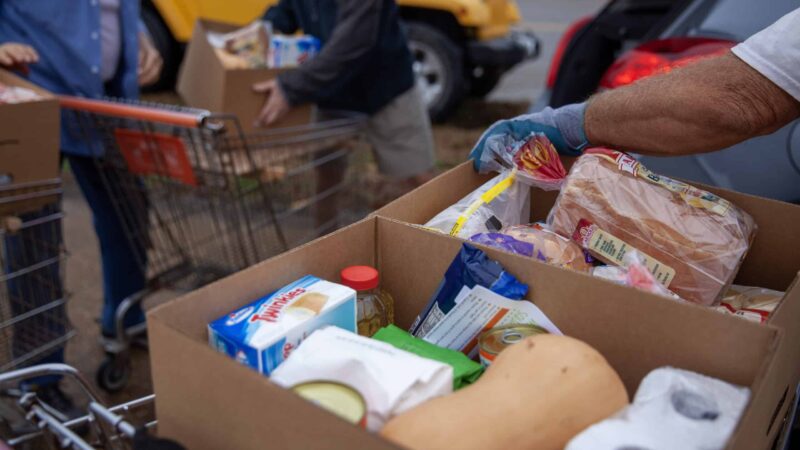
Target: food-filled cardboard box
x,y
772,262
29,141
206,400
205,82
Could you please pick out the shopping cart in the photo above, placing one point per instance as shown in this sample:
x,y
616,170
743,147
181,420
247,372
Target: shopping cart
x,y
199,199
125,426
33,320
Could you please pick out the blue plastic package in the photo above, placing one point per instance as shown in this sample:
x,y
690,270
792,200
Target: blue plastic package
x,y
470,267
503,242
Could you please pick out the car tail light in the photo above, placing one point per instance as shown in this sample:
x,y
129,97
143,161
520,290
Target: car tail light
x,y
566,38
659,57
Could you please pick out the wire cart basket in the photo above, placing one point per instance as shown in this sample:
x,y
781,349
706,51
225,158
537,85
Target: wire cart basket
x,y
199,199
124,426
33,320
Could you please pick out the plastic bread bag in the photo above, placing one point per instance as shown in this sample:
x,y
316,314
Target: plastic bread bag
x,y
505,199
470,267
751,303
693,241
551,247
636,274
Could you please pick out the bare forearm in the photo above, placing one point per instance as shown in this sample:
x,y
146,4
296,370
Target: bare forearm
x,y
703,107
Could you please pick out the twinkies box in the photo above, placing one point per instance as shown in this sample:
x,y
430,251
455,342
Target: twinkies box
x,y
206,400
205,82
773,262
262,334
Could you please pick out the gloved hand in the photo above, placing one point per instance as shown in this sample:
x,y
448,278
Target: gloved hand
x,y
563,126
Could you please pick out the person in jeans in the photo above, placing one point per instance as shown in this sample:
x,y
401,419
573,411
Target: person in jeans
x,y
87,48
364,66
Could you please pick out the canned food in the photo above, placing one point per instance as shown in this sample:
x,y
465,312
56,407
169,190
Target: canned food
x,y
494,341
337,398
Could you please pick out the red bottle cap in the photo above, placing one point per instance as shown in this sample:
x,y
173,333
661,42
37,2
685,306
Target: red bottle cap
x,y
360,278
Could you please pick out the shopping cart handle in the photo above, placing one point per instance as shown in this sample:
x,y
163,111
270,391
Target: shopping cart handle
x,y
187,118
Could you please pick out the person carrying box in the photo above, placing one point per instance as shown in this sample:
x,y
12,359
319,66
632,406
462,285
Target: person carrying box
x,y
87,48
365,66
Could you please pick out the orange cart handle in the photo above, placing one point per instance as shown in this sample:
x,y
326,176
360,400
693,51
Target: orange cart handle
x,y
136,112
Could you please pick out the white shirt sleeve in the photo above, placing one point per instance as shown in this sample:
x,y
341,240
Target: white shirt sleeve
x,y
775,52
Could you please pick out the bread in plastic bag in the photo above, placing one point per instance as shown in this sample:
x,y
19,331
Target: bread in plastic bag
x,y
693,241
550,247
751,303
505,242
505,199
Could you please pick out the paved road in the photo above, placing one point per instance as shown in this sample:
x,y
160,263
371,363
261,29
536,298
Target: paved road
x,y
548,19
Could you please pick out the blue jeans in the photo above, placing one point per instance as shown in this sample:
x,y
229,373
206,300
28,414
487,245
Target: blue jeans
x,y
123,273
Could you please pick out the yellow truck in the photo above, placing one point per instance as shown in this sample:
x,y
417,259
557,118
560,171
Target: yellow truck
x,y
460,47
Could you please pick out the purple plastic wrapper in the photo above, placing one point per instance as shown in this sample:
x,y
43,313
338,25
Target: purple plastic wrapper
x,y
504,242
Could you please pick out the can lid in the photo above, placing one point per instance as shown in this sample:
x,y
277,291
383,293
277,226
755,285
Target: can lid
x,y
340,399
360,278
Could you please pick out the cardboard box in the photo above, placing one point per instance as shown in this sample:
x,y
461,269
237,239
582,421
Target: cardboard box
x,y
206,400
773,261
203,82
29,148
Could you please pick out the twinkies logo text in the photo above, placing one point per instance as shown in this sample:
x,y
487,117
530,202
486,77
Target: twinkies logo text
x,y
238,316
272,311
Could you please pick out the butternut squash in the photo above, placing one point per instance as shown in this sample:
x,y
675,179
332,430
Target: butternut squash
x,y
537,394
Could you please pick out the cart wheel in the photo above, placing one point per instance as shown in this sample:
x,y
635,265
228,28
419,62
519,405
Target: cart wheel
x,y
113,374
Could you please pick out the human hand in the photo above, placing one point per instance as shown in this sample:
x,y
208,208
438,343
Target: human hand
x,y
562,126
150,62
275,106
17,56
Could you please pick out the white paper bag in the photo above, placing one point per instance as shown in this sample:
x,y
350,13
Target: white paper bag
x,y
390,380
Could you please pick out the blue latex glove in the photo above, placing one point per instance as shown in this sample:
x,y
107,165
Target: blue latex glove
x,y
563,126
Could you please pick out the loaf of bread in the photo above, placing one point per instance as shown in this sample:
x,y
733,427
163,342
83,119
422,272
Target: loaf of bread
x,y
694,241
550,246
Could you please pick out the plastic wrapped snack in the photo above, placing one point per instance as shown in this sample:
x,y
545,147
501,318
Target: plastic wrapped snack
x,y
751,303
504,242
499,202
692,241
635,274
17,94
505,199
550,247
245,47
470,268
